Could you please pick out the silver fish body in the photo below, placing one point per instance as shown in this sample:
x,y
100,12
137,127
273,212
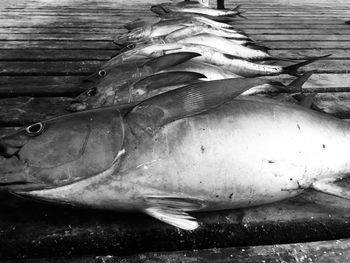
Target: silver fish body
x,y
246,152
208,55
226,46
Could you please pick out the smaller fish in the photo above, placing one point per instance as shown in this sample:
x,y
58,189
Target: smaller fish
x,y
211,55
177,26
121,72
149,31
108,93
226,46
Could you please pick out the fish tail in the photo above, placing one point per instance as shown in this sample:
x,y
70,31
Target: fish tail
x,y
239,11
293,69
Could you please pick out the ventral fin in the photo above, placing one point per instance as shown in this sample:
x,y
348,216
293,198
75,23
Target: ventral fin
x,y
329,187
188,101
160,80
170,60
173,217
173,210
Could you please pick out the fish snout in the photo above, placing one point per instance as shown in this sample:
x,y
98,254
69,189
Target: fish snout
x,y
77,105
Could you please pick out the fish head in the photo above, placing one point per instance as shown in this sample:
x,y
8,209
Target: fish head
x,y
102,92
61,150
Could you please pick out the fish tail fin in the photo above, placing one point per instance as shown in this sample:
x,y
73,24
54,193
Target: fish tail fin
x,y
239,11
293,69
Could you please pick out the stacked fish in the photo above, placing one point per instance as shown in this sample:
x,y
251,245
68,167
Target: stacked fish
x,y
184,44
178,137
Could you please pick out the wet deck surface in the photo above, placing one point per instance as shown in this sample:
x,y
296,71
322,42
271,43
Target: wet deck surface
x,y
47,47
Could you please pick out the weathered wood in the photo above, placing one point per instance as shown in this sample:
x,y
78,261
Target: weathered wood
x,y
62,45
56,37
292,44
337,251
40,86
48,67
303,53
340,26
56,55
32,229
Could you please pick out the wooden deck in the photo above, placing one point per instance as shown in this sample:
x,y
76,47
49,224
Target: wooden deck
x,y
48,46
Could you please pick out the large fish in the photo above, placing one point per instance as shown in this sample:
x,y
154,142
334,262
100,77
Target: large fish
x,y
210,55
191,149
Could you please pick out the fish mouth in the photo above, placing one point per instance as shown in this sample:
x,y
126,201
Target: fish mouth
x,y
9,148
13,175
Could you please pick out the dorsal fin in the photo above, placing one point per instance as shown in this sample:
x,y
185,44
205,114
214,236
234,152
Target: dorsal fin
x,y
169,60
187,101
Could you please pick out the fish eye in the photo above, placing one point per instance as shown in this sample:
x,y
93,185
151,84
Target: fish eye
x,y
131,46
91,92
102,73
35,129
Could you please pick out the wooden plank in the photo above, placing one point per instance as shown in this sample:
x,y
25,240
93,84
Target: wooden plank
x,y
58,37
295,32
37,230
55,55
40,86
62,30
48,67
291,26
302,38
321,252
64,45
291,44
303,53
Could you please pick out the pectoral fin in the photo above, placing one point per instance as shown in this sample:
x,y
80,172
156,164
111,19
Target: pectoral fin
x,y
160,80
187,101
172,210
169,60
329,187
